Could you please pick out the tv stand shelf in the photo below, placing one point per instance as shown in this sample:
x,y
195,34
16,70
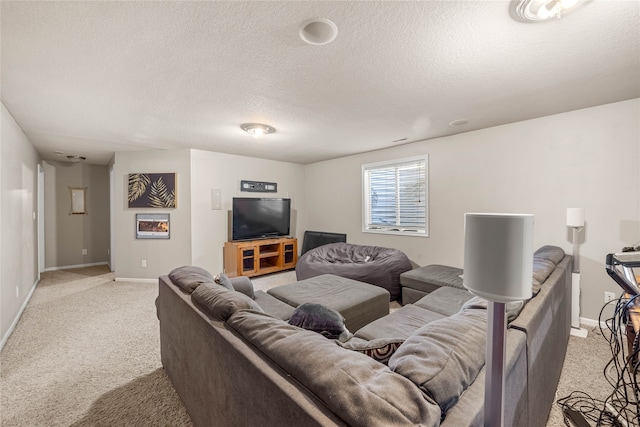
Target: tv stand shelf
x,y
257,257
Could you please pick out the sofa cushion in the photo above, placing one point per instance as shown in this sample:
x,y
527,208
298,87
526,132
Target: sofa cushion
x,y
189,277
445,300
242,284
444,357
513,307
551,253
323,320
545,260
379,349
273,306
431,277
399,324
219,302
345,381
542,268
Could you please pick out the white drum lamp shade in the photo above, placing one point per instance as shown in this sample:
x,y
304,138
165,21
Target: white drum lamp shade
x,y
498,256
575,217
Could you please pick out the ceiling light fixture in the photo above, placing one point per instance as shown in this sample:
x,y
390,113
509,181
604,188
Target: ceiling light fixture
x,y
542,10
318,31
256,129
76,158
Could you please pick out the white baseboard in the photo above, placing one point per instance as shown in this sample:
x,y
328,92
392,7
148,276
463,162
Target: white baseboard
x,y
591,323
579,332
67,267
15,321
129,279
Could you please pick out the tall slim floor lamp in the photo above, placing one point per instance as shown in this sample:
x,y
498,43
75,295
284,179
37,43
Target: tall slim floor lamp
x,y
498,265
575,220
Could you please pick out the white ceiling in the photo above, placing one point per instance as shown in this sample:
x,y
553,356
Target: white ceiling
x,y
92,78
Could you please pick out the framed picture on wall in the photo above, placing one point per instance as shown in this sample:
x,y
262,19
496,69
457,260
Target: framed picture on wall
x,y
152,226
78,201
152,190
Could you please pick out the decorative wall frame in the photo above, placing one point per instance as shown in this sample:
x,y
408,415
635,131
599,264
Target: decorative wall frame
x,y
152,190
78,201
152,226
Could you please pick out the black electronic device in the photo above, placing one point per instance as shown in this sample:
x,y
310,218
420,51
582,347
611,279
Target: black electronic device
x,y
576,418
260,218
313,239
620,267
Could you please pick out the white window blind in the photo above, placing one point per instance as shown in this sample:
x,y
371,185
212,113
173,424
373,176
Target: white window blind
x,y
395,196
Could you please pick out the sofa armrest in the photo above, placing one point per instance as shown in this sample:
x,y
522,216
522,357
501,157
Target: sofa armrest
x,y
243,284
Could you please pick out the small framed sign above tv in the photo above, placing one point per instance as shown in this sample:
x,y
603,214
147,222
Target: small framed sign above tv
x,y
259,186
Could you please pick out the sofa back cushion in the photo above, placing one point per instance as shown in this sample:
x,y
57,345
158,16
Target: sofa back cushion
x,y
545,260
220,303
444,357
189,277
359,390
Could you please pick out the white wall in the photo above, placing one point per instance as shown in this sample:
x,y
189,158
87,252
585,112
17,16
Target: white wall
x,y
224,172
198,233
19,229
161,255
587,158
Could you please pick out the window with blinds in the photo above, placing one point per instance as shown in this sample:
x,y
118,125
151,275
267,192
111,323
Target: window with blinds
x,y
395,197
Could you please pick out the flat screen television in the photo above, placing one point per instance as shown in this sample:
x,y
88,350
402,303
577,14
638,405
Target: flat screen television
x,y
260,218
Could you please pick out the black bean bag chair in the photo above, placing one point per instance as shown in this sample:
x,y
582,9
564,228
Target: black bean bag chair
x,y
370,264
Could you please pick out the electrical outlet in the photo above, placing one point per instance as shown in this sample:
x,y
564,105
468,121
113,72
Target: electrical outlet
x,y
144,263
84,252
609,296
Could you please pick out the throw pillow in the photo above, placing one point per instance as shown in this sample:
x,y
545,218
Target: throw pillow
x,y
223,279
220,303
189,277
320,319
445,356
379,349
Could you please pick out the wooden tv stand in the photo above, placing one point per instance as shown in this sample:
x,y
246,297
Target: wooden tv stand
x,y
257,257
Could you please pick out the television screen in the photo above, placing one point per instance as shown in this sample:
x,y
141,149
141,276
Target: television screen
x,y
260,218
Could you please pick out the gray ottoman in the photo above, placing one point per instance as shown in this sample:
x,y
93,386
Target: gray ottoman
x,y
421,281
359,303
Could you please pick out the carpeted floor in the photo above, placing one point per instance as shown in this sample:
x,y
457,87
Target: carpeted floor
x,y
86,353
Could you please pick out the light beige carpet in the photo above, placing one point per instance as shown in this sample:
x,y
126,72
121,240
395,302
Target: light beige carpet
x,y
86,353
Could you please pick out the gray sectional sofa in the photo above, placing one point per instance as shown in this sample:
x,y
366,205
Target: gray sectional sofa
x,y
233,363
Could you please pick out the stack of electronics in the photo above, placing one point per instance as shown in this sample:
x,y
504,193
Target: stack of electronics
x,y
620,267
622,407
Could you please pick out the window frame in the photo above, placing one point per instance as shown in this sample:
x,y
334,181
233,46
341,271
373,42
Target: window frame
x,y
366,197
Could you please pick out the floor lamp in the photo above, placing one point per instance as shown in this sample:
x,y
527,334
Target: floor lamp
x,y
575,220
498,266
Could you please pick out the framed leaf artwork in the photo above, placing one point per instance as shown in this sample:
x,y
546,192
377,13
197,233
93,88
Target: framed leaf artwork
x,y
152,190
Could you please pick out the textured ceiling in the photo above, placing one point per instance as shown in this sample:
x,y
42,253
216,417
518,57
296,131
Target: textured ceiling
x,y
92,78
